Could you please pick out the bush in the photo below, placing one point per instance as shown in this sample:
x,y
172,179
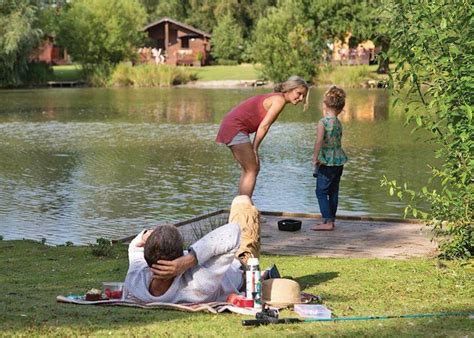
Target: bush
x,y
286,43
150,75
346,76
97,75
227,40
38,73
224,62
432,44
103,248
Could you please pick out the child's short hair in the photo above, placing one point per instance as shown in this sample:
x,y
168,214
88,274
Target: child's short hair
x,y
335,98
164,243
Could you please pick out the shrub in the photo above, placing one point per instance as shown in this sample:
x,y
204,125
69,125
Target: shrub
x,y
38,73
103,248
97,75
150,75
432,44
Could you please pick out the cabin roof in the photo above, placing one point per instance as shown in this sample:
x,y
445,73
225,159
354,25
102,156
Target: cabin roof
x,y
177,23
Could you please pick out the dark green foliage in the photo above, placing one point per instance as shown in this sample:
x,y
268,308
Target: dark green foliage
x,y
285,43
432,44
103,32
103,248
38,73
19,36
227,40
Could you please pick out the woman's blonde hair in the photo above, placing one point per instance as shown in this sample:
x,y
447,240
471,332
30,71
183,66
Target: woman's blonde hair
x,y
293,82
335,98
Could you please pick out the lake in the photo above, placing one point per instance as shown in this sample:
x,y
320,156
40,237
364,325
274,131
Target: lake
x,y
82,163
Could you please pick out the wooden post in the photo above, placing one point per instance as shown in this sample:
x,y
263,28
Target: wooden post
x,y
167,36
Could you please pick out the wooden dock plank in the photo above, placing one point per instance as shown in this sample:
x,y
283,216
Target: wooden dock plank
x,y
353,237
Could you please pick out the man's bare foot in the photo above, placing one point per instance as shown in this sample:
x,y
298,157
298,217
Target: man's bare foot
x,y
323,227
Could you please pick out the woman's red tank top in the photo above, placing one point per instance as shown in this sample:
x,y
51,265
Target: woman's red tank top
x,y
245,118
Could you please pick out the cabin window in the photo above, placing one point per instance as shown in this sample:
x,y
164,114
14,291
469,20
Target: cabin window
x,y
184,43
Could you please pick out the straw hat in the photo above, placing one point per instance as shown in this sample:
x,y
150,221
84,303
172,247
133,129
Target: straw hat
x,y
281,292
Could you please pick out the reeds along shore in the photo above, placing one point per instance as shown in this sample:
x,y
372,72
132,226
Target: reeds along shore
x,y
150,76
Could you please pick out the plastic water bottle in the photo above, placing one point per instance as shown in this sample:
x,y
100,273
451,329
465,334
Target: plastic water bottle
x,y
254,285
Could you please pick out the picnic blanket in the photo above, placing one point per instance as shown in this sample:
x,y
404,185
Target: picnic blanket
x,y
212,307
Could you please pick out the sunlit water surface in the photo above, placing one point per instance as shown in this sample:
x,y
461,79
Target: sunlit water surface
x,y
78,164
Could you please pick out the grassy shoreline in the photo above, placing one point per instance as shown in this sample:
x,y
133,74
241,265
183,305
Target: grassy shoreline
x,y
33,274
345,76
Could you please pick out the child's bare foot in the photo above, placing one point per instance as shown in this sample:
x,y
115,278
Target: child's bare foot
x,y
323,227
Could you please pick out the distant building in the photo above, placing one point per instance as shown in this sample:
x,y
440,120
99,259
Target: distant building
x,y
180,44
362,54
49,52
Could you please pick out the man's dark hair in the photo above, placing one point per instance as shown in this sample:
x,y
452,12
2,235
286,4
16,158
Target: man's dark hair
x,y
164,243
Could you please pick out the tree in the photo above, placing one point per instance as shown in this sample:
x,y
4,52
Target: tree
x,y
19,36
363,19
433,49
174,9
285,43
201,14
101,32
227,40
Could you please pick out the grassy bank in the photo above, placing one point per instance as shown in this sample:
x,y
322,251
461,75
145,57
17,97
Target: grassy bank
x,y
346,76
349,76
33,274
219,73
67,73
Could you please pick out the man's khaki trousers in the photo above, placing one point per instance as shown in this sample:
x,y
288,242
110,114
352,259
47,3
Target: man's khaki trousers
x,y
247,216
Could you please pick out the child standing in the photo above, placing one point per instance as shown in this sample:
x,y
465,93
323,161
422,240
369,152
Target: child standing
x,y
328,157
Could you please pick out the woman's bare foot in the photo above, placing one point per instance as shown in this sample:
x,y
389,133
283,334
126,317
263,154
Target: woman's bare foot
x,y
323,227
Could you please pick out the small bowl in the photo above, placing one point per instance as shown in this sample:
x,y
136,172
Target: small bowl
x,y
289,225
113,290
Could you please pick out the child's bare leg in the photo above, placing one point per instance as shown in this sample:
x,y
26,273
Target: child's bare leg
x,y
244,213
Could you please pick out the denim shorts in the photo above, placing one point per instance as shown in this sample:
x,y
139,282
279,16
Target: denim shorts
x,y
240,138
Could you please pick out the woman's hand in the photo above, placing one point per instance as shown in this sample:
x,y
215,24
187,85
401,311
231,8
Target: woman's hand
x,y
170,269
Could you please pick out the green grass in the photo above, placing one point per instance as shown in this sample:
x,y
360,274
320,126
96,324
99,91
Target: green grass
x,y
67,73
32,275
349,76
345,76
218,73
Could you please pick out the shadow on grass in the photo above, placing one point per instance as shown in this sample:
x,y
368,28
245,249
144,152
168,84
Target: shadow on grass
x,y
309,281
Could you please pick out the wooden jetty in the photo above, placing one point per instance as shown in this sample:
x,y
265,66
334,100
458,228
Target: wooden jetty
x,y
357,237
61,84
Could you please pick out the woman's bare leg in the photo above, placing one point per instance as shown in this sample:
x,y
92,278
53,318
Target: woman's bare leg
x,y
244,154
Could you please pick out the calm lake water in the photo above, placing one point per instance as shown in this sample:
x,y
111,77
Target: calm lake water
x,y
78,164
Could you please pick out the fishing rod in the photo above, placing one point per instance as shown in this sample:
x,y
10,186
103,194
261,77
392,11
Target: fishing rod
x,y
267,317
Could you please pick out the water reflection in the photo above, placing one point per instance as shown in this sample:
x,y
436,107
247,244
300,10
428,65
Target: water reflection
x,y
77,164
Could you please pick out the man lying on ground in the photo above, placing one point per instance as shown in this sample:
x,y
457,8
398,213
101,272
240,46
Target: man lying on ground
x,y
160,271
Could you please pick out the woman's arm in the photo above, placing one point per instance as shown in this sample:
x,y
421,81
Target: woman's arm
x,y
276,106
319,142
